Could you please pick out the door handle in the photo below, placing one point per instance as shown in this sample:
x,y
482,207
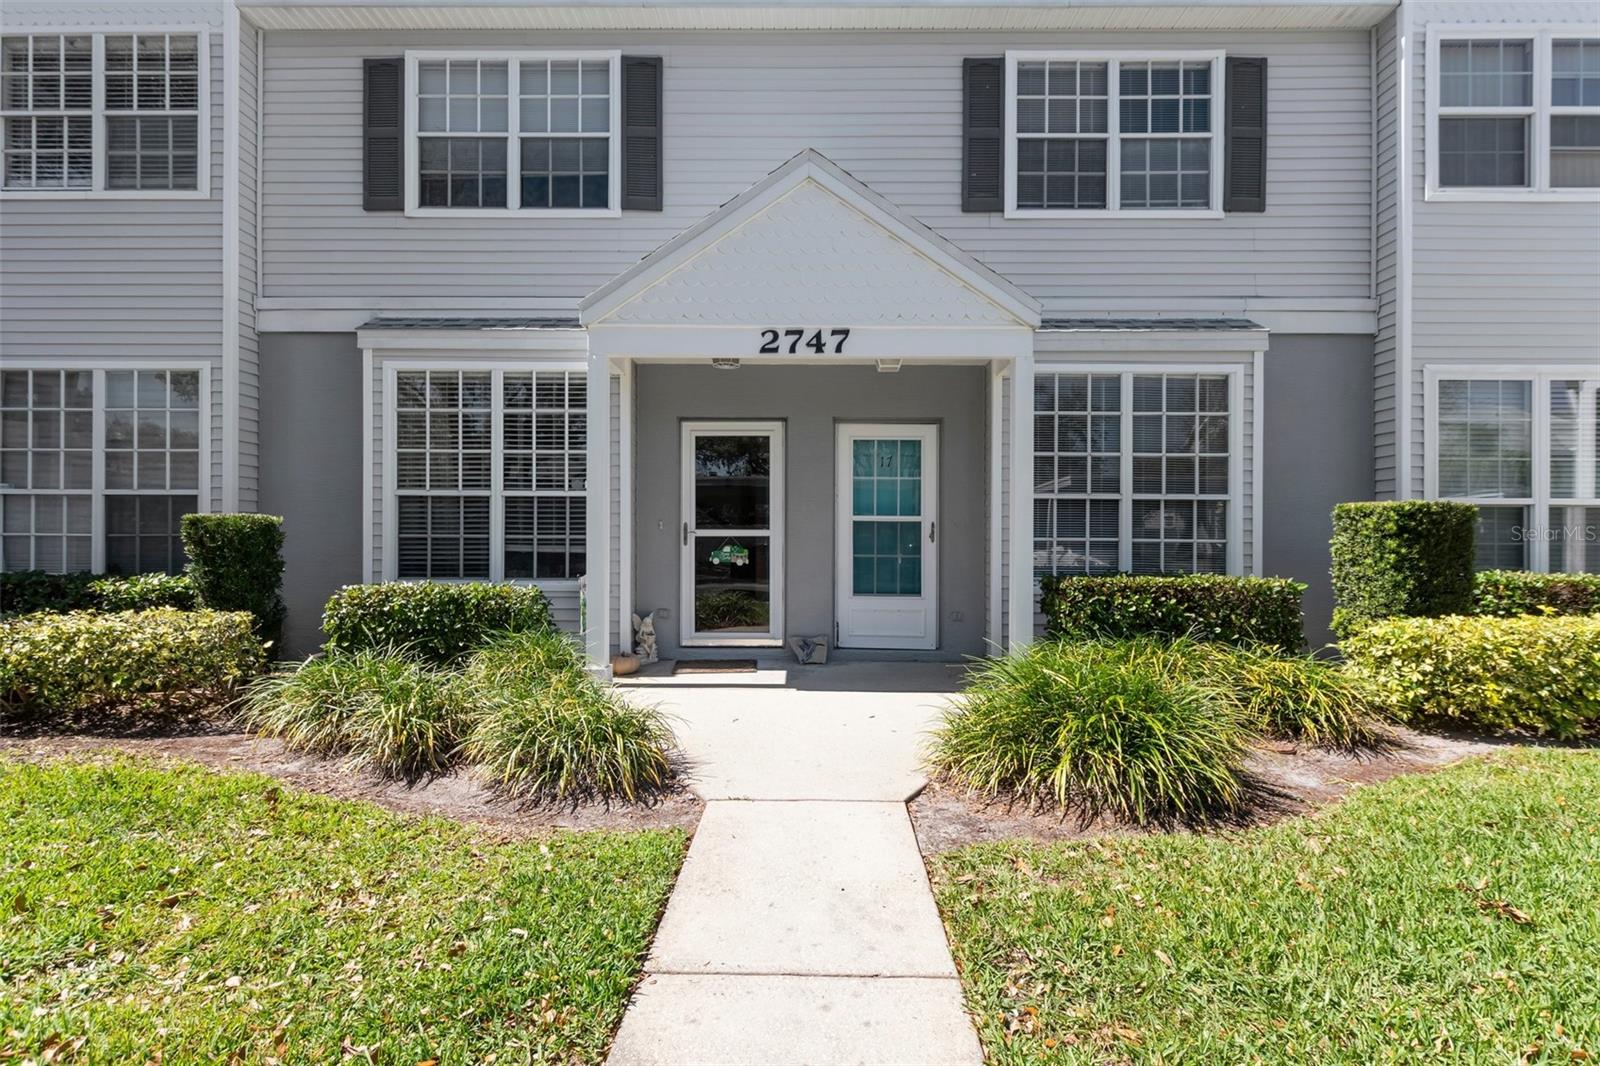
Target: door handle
x,y
686,534
933,528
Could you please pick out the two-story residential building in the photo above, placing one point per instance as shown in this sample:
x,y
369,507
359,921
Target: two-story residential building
x,y
795,319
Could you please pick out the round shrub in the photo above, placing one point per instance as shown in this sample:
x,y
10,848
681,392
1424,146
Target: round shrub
x,y
545,730
161,658
1296,697
1531,673
1111,727
387,712
432,620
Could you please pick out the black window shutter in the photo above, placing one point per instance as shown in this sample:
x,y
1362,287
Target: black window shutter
x,y
382,187
1245,140
641,133
983,109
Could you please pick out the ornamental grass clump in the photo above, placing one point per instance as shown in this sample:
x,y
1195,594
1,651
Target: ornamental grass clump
x,y
545,730
384,710
1114,728
1295,697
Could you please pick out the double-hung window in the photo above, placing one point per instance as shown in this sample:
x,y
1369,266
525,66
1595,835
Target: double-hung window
x,y
1135,472
489,474
98,113
1129,133
1523,447
500,132
97,467
1513,114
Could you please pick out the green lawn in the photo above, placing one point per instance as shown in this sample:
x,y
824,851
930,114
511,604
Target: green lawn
x,y
1445,917
204,915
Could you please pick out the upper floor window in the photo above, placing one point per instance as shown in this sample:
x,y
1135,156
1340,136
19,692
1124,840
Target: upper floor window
x,y
513,131
1513,115
1112,133
121,114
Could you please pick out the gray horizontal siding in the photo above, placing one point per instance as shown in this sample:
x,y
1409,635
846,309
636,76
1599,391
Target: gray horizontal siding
x,y
119,278
1505,283
884,106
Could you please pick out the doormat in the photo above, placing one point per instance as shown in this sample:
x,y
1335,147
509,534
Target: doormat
x,y
714,666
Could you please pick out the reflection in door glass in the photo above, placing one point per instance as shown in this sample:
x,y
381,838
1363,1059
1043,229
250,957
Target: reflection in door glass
x,y
732,482
732,585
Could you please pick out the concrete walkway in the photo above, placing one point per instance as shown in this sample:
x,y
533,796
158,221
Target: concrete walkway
x,y
802,928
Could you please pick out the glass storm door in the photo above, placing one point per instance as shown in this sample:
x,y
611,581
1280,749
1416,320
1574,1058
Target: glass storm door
x,y
732,564
886,551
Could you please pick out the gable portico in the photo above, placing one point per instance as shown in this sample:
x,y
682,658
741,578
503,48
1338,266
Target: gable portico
x,y
811,269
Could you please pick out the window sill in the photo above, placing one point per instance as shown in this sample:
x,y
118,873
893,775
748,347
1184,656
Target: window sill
x,y
1175,214
105,194
1555,196
507,213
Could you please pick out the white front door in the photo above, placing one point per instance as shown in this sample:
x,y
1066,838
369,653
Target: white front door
x,y
886,550
732,561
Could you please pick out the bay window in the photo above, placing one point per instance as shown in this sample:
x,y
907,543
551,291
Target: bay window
x,y
1112,133
512,131
488,468
1523,448
103,113
98,467
1513,114
1135,471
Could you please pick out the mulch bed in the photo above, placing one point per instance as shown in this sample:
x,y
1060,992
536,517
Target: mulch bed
x,y
211,740
1285,780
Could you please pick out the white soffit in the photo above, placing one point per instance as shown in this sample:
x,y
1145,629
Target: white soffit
x,y
810,244
960,15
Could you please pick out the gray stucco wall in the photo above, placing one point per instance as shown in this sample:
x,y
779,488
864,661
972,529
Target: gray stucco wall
x,y
1318,452
811,400
311,470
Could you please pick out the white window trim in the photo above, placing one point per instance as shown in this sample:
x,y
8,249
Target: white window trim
x,y
1113,59
390,369
1539,504
1538,114
97,492
1237,416
202,189
513,208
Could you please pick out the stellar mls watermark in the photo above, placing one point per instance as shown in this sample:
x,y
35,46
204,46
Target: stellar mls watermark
x,y
1580,533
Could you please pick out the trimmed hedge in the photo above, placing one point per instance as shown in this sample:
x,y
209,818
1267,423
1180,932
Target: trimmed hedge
x,y
434,621
1529,673
236,564
1233,610
26,591
85,660
1505,593
1405,558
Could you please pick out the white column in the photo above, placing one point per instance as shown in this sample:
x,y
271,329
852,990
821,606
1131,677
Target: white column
x,y
597,552
624,621
1020,624
996,502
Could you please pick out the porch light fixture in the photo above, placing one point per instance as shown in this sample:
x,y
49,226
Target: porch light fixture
x,y
725,364
888,366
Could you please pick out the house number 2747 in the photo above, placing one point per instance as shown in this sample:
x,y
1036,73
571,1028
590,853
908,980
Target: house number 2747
x,y
777,341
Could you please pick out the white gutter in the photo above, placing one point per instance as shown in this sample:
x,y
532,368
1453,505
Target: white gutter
x,y
1403,208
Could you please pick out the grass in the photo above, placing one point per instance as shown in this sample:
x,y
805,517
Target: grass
x,y
1291,696
1444,917
184,916
543,729
392,714
1109,727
